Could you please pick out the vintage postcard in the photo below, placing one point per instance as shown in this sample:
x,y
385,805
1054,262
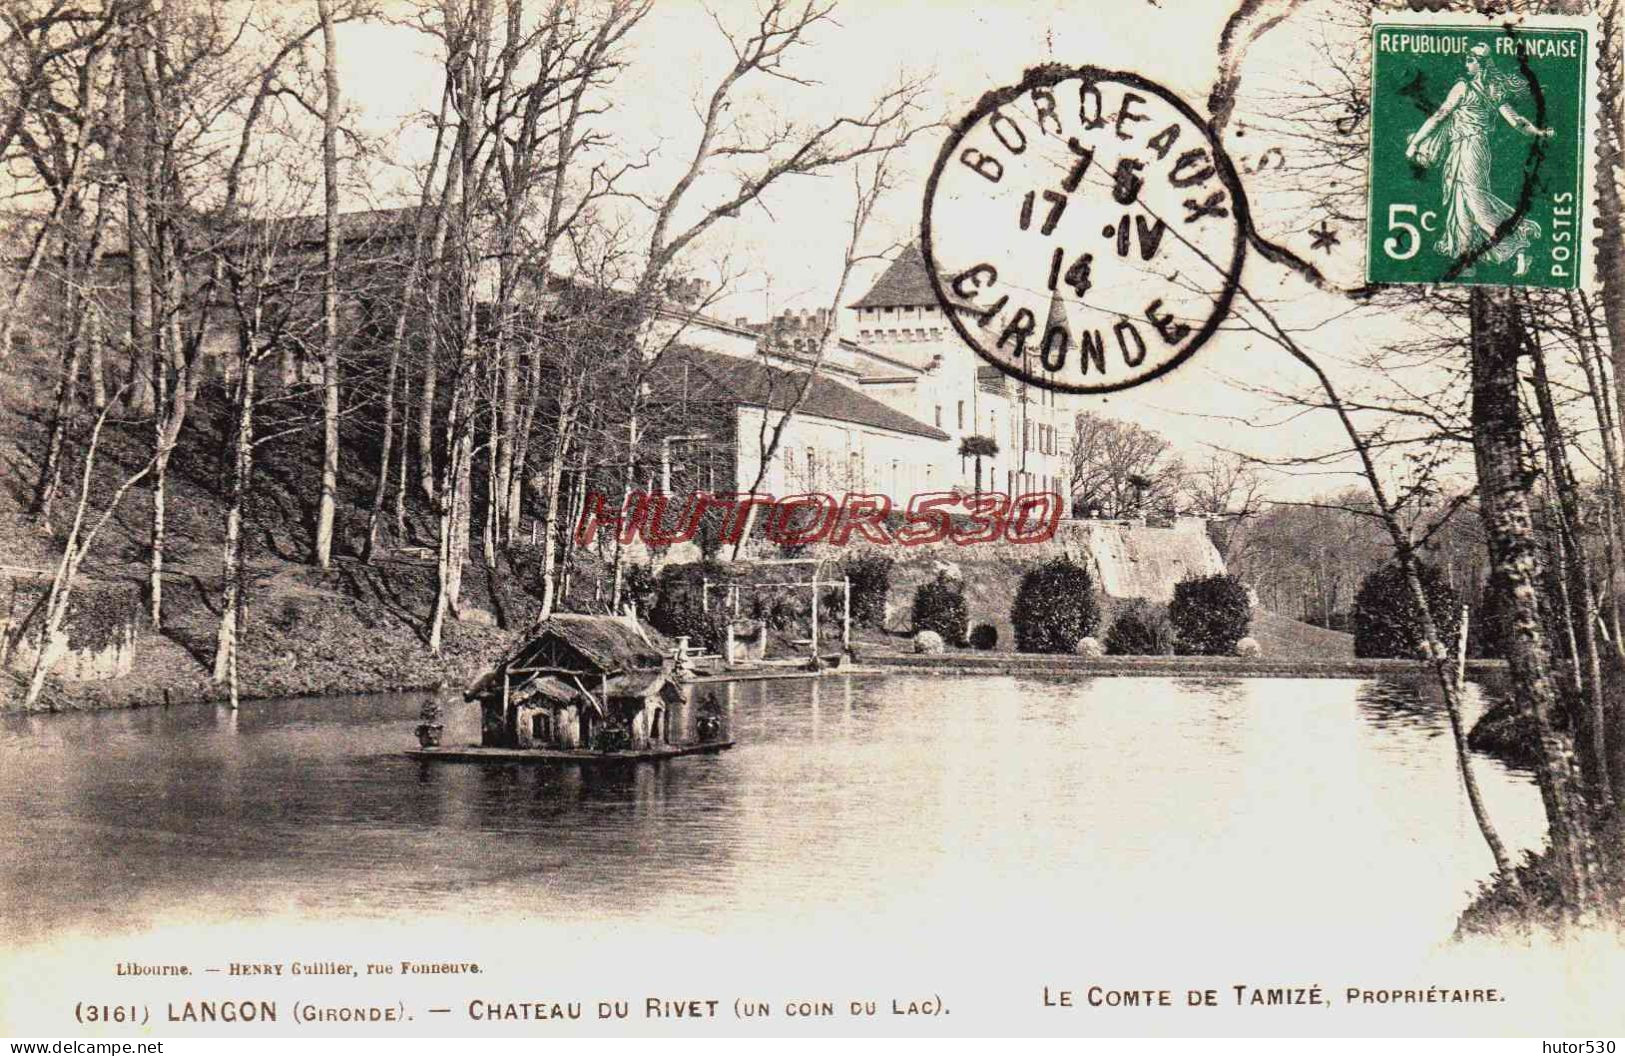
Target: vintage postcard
x,y
666,518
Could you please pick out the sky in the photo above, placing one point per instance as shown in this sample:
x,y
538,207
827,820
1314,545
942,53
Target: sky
x,y
785,253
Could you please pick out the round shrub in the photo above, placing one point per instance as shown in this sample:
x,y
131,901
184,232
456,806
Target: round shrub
x,y
1249,648
940,606
1210,614
1089,647
1387,624
928,642
870,574
679,610
1140,630
1054,607
984,636
639,585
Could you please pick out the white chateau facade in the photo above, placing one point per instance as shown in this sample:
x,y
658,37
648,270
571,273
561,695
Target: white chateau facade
x,y
893,400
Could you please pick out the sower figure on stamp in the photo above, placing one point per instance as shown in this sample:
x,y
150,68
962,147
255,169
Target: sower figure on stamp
x,y
1459,131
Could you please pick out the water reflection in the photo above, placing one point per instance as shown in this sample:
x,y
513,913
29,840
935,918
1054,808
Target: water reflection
x,y
1082,808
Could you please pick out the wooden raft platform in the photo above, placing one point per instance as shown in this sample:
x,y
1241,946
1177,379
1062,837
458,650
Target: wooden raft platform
x,y
473,753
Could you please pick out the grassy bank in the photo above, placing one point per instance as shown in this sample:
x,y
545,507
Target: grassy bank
x,y
351,629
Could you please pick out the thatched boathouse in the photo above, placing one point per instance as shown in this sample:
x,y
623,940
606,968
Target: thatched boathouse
x,y
595,683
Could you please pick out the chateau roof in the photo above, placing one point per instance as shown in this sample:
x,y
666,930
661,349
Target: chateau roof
x,y
717,378
612,645
905,284
307,231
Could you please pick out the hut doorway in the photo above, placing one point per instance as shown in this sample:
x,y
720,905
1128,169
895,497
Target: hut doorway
x,y
586,728
657,726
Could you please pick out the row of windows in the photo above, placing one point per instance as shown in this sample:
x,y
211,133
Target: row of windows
x,y
959,418
932,334
919,312
810,471
1047,437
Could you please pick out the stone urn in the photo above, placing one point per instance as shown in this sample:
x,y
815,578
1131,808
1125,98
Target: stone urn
x,y
429,727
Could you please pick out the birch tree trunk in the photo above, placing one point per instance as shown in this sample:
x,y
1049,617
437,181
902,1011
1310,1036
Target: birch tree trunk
x,y
1503,484
553,482
328,498
1610,242
232,568
1580,603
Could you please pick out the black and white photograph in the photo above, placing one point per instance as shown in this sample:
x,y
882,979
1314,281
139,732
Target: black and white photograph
x,y
677,519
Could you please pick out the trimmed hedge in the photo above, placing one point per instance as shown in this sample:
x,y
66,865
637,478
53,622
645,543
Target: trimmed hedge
x,y
870,574
1387,624
1140,630
940,606
1210,614
1054,607
679,606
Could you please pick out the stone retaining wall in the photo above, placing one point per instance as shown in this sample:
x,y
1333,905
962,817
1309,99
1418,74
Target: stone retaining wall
x,y
97,637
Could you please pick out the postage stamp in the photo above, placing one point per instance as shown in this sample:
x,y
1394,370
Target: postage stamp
x,y
1083,231
1478,151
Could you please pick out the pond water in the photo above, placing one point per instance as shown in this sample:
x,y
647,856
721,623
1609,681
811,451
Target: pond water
x,y
1291,812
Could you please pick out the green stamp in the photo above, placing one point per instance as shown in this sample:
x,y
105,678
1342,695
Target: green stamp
x,y
1478,147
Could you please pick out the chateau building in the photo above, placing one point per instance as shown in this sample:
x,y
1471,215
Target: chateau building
x,y
895,396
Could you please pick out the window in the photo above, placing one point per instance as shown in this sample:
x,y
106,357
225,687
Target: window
x,y
812,468
961,420
939,416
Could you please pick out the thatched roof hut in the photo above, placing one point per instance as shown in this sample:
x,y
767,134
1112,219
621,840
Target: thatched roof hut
x,y
576,644
581,682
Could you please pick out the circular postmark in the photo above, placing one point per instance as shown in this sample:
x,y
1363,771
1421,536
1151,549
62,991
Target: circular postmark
x,y
1083,231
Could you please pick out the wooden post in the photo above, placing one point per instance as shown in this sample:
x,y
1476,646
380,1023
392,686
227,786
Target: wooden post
x,y
815,613
736,601
1461,651
846,613
705,595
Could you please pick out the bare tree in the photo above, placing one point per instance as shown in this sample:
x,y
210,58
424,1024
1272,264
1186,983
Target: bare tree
x,y
332,105
80,539
1120,469
1228,490
867,188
